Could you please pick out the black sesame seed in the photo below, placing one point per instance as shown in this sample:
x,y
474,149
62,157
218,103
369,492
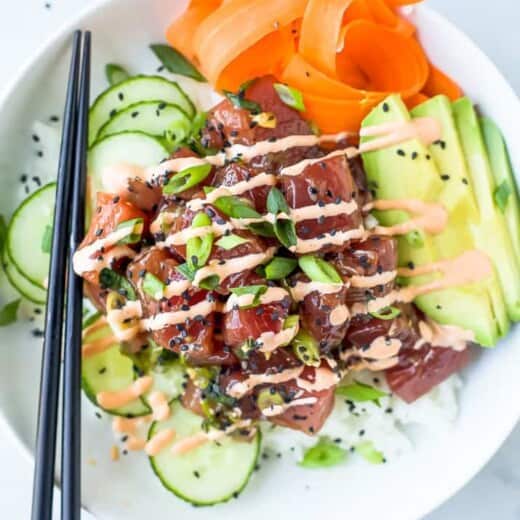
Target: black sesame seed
x,y
35,138
445,177
465,181
121,96
386,108
135,114
196,474
410,265
414,155
401,152
113,112
23,178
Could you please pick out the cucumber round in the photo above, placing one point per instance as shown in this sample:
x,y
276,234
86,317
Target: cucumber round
x,y
168,380
110,371
209,474
25,234
25,287
151,117
135,90
135,148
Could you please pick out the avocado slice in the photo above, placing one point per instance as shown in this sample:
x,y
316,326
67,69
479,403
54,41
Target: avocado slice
x,y
459,198
408,171
504,179
492,232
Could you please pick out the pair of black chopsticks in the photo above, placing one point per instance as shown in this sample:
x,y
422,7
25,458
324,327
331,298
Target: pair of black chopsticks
x,y
64,305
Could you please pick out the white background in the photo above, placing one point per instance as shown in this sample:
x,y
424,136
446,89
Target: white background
x,y
495,492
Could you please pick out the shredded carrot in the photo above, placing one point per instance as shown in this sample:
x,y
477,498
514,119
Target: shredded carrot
x,y
180,32
236,26
343,55
267,56
321,51
390,61
440,83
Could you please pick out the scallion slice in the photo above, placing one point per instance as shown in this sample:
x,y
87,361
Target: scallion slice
x,y
198,249
153,286
175,62
115,74
235,207
290,96
279,268
318,270
324,454
135,230
388,313
186,179
229,242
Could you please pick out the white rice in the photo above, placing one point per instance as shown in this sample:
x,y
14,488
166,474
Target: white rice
x,y
384,425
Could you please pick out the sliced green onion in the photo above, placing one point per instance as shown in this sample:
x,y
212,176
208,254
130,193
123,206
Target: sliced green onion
x,y
9,313
369,453
276,202
115,73
359,392
175,62
47,239
306,349
502,194
186,271
388,313
255,290
267,399
153,286
135,226
210,283
208,189
290,96
186,179
262,229
324,454
239,101
318,270
285,232
109,279
198,249
291,321
235,207
279,268
228,242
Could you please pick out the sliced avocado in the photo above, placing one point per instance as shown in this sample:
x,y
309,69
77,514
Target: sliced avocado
x,y
504,180
449,159
408,171
492,233
458,197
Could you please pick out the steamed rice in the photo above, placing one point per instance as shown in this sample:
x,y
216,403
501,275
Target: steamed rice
x,y
384,425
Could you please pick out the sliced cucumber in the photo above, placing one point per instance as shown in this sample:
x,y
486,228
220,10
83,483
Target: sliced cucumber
x,y
209,474
151,117
135,148
168,380
110,371
25,235
25,287
135,90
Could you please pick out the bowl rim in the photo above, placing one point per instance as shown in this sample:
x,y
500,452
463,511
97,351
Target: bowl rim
x,y
65,30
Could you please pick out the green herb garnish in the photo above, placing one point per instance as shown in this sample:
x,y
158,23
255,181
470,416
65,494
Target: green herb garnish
x,y
323,455
240,101
369,453
388,313
186,179
276,202
279,268
360,393
115,74
502,194
235,207
262,229
255,290
47,239
228,242
210,283
285,232
109,279
9,313
136,226
153,286
186,271
306,348
290,96
175,62
318,270
198,249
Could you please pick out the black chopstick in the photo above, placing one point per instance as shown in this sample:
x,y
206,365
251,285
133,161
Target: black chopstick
x,y
70,187
71,434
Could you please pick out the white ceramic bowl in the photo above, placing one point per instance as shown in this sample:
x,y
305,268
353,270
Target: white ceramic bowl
x,y
404,490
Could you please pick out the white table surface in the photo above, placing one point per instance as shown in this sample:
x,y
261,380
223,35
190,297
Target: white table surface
x,y
494,493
